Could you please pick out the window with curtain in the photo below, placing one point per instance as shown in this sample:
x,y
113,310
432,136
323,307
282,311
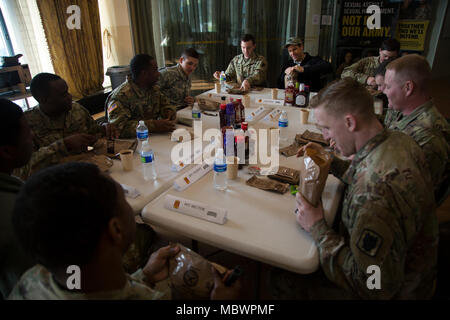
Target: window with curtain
x,y
6,48
27,34
214,29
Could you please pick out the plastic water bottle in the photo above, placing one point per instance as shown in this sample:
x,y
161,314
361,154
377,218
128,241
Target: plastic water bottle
x,y
223,78
220,170
148,162
283,123
141,134
196,114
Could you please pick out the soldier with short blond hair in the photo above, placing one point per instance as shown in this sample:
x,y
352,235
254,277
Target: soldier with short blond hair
x,y
413,112
388,218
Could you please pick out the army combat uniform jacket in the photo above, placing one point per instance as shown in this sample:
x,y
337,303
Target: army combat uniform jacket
x,y
253,69
38,284
128,104
175,84
49,134
388,221
432,132
362,69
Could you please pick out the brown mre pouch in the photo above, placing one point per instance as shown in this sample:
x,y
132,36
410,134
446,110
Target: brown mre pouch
x,y
190,276
314,137
289,151
314,177
208,105
287,175
267,184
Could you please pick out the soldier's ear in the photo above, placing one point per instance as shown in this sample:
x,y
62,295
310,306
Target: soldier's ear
x,y
409,87
350,122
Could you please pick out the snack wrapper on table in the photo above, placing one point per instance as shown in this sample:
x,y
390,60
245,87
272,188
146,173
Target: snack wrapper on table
x,y
290,151
267,184
312,137
208,105
286,175
314,177
190,275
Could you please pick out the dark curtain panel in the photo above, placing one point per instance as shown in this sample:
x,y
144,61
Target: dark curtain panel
x,y
214,28
76,53
141,26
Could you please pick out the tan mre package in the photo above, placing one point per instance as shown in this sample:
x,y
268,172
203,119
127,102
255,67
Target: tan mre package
x,y
315,174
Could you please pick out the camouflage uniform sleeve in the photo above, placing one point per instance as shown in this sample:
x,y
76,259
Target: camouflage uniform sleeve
x,y
356,70
93,127
230,73
372,243
434,148
165,106
119,115
42,158
163,81
259,74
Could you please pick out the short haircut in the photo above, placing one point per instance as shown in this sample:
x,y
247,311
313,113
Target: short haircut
x,y
391,44
190,52
248,37
139,63
61,212
381,69
10,130
412,67
345,96
40,85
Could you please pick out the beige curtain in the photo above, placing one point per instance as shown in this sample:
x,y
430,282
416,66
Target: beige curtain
x,y
141,26
76,53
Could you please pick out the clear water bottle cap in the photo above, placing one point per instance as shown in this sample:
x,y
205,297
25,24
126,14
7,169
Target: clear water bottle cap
x,y
141,122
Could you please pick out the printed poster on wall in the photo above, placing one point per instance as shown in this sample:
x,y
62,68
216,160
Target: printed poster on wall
x,y
353,30
411,34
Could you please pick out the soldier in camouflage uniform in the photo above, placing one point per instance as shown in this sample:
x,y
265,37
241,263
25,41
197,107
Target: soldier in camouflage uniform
x,y
60,126
247,69
139,98
72,214
406,86
388,215
363,70
175,82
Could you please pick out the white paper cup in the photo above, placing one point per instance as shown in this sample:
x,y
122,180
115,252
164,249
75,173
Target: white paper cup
x,y
246,101
126,156
218,87
304,115
232,167
275,94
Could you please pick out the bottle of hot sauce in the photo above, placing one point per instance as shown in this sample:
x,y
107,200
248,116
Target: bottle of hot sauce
x,y
223,115
241,110
244,127
289,94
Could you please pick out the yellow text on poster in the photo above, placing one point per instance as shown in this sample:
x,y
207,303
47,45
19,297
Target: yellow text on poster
x,y
411,34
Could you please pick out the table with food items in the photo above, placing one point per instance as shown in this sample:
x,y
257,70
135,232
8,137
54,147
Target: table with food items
x,y
253,211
